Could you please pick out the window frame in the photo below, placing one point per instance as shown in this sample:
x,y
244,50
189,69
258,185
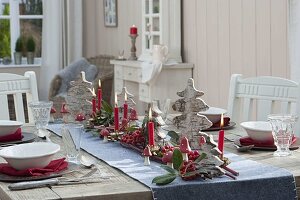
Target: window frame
x,y
15,29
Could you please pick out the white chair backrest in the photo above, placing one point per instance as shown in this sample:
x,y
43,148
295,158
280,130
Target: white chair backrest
x,y
16,85
257,97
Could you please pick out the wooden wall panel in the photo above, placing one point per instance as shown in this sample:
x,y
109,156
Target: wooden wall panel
x,y
249,38
200,73
212,52
235,26
224,66
279,38
99,39
190,30
219,37
263,37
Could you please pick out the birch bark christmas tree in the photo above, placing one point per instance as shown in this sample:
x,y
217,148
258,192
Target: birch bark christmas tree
x,y
79,96
190,123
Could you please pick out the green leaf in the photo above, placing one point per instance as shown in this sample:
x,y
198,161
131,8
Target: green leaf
x,y
164,179
168,169
173,143
177,159
173,135
201,157
106,107
174,138
131,128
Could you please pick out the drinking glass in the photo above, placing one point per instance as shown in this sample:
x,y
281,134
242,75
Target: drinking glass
x,y
282,131
41,115
71,136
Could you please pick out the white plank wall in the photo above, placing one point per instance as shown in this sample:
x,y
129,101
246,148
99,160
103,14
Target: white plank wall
x,y
99,39
234,36
220,37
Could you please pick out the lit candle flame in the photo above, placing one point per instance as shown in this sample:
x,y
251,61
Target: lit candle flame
x,y
150,114
222,121
116,99
125,97
99,83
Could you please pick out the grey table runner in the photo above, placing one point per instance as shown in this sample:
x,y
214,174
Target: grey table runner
x,y
256,181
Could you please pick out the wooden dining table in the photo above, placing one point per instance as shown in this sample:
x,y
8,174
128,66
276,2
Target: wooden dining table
x,y
121,186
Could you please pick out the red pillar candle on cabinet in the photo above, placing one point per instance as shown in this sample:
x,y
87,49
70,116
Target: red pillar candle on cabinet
x,y
151,129
116,114
133,30
125,114
221,136
99,95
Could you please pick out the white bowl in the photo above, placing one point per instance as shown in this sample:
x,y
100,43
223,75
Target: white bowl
x,y
29,155
8,127
258,130
214,114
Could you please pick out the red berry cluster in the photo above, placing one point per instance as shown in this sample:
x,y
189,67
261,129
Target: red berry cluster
x,y
188,166
193,155
136,138
166,149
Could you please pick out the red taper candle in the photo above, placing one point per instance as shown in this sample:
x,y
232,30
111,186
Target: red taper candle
x,y
94,104
125,113
151,129
116,114
99,95
221,136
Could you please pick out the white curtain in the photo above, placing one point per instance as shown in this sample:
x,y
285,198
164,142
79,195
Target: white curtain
x,y
62,39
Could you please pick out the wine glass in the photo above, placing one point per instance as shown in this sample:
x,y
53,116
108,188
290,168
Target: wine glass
x,y
41,115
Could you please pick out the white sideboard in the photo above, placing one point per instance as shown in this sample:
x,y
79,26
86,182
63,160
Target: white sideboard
x,y
172,78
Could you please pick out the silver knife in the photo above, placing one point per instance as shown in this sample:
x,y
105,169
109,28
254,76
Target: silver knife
x,y
49,182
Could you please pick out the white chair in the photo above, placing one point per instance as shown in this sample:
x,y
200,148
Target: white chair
x,y
16,85
256,97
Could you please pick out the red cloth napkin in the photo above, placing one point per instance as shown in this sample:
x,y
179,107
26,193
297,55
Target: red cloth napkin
x,y
270,143
12,137
54,166
218,124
